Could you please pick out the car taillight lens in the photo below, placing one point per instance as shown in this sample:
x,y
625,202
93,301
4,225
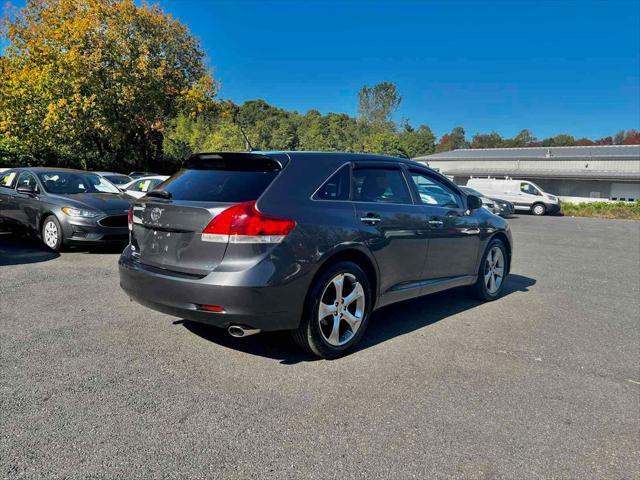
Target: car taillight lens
x,y
243,223
130,218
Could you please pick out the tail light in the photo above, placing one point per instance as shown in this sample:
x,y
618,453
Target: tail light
x,y
130,218
243,223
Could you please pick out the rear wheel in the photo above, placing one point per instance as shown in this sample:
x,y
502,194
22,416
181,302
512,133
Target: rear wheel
x,y
52,235
538,209
492,272
337,311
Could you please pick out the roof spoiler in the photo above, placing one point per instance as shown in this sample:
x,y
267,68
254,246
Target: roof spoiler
x,y
232,161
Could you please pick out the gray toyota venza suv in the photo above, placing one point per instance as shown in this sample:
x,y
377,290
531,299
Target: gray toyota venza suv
x,y
306,241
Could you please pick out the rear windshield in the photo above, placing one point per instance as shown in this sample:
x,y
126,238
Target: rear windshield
x,y
218,185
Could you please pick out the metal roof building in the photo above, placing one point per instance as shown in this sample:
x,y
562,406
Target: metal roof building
x,y
610,172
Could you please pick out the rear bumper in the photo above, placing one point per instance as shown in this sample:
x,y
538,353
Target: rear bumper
x,y
272,307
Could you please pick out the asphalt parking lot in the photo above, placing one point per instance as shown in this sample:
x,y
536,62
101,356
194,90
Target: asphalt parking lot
x,y
543,383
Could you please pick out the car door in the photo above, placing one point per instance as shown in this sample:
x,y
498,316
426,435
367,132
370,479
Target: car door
x,y
528,194
454,233
392,224
27,205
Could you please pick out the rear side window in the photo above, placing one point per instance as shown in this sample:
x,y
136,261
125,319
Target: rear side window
x,y
380,185
218,185
7,179
337,187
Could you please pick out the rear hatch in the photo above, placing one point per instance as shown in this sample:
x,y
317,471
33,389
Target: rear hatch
x,y
168,223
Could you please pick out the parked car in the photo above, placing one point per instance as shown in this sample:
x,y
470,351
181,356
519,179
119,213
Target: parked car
x,y
307,242
139,187
63,206
494,205
525,195
118,179
135,175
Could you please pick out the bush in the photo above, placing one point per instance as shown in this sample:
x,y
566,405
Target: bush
x,y
624,210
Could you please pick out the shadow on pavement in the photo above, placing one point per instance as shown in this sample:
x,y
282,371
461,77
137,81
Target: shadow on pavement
x,y
385,324
17,250
20,249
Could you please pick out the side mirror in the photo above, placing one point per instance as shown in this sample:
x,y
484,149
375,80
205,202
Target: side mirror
x,y
28,189
473,202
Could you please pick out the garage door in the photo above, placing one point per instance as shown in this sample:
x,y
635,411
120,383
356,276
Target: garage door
x,y
625,191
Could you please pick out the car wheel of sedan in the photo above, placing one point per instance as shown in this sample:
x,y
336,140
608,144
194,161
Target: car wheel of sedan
x,y
337,311
493,272
52,235
538,209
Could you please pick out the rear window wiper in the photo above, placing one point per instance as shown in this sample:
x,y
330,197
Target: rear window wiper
x,y
160,194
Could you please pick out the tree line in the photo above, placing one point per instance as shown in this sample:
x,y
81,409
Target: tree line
x,y
117,85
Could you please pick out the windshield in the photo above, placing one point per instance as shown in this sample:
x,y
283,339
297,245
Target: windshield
x,y
118,179
74,182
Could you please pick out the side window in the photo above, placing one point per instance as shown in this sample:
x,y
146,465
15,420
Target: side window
x,y
8,179
336,187
140,186
27,180
528,188
433,192
380,185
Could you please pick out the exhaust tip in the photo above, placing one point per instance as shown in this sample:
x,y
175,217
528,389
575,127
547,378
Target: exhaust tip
x,y
238,331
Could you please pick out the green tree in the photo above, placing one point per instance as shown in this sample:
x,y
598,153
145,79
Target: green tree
x,y
417,142
386,143
523,139
377,104
561,140
95,82
452,141
487,140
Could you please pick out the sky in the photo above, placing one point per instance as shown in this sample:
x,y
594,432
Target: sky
x,y
549,66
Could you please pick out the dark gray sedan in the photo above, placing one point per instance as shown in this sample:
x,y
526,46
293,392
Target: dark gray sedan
x,y
308,242
63,206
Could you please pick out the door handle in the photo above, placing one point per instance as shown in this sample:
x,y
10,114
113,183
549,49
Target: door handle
x,y
436,223
370,220
470,231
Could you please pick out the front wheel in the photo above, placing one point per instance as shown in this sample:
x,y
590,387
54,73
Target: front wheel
x,y
538,209
52,235
337,311
492,272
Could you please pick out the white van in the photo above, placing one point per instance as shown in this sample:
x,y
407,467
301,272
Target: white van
x,y
523,194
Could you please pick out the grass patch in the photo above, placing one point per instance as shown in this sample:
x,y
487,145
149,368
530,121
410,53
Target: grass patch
x,y
624,210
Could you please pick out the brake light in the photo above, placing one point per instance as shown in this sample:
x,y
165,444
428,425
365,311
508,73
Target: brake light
x,y
130,218
243,223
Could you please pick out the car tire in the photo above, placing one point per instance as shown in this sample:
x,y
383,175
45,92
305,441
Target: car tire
x,y
538,209
52,234
332,324
493,272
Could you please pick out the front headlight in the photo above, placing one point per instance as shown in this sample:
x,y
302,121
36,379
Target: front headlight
x,y
79,212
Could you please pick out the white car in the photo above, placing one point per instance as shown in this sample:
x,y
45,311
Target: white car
x,y
524,195
140,186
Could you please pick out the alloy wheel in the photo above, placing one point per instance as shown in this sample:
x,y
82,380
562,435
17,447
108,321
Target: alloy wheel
x,y
494,270
341,309
50,234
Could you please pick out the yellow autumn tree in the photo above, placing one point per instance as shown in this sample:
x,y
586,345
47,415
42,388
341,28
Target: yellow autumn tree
x,y
93,83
